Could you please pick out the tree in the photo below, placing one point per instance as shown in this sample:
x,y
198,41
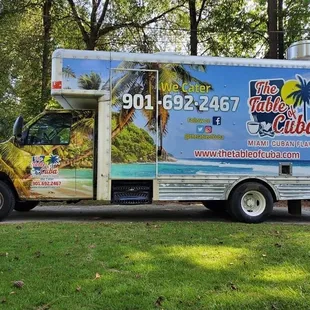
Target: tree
x,y
46,63
280,30
287,22
29,31
221,28
98,19
194,22
272,29
296,21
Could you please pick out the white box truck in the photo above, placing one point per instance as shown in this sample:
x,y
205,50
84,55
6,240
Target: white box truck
x,y
231,133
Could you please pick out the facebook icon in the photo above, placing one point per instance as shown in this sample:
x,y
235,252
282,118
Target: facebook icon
x,y
217,120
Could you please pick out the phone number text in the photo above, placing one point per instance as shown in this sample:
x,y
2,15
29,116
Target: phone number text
x,y
179,102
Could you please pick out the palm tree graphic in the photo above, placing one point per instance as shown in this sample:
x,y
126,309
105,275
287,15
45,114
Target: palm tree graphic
x,y
140,78
67,72
134,78
90,81
301,95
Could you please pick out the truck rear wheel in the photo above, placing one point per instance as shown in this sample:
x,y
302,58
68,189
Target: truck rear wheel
x,y
7,200
25,206
250,203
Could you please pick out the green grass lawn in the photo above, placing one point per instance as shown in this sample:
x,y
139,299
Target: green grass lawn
x,y
175,265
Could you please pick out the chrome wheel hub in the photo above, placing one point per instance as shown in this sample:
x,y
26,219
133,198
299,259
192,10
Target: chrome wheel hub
x,y
253,203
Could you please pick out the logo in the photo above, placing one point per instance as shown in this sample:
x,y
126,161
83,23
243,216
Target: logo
x,y
200,129
279,107
45,165
208,129
203,129
216,120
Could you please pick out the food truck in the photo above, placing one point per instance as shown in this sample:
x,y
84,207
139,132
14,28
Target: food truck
x,y
231,133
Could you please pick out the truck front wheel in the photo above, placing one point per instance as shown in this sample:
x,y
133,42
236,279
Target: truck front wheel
x,y
25,206
7,200
250,203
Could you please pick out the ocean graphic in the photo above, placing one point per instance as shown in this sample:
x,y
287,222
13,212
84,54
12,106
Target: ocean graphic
x,y
208,167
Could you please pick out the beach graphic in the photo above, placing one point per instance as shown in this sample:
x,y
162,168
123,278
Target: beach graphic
x,y
208,167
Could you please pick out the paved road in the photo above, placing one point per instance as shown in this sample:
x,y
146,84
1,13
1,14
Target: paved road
x,y
167,212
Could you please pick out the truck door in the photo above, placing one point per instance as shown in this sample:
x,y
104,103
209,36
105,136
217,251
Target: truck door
x,y
58,151
134,122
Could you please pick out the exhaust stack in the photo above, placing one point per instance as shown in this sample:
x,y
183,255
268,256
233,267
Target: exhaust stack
x,y
299,51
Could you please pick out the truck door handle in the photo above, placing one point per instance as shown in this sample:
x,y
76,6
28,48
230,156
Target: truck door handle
x,y
160,146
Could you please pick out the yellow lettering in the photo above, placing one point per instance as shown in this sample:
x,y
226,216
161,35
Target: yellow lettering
x,y
165,87
175,87
183,87
191,88
186,88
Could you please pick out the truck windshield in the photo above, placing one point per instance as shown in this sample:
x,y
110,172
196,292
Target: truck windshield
x,y
50,129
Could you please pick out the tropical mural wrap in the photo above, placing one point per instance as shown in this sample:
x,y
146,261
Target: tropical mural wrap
x,y
43,168
214,119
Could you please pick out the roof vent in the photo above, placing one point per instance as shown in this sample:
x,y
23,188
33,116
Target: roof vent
x,y
299,51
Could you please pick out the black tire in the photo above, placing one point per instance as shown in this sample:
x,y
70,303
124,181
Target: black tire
x,y
250,203
25,206
217,206
7,200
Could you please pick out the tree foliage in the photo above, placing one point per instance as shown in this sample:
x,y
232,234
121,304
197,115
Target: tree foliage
x,y
132,145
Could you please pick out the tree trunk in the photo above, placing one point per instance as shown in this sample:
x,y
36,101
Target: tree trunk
x,y
125,122
47,27
280,29
91,43
194,27
272,29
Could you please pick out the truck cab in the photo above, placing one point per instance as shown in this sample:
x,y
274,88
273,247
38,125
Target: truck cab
x,y
50,158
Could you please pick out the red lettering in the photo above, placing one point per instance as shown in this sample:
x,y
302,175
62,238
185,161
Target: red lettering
x,y
263,106
269,104
300,126
279,105
290,126
276,122
253,102
49,171
38,164
264,88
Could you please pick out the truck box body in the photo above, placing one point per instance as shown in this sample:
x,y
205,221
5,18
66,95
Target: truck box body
x,y
217,120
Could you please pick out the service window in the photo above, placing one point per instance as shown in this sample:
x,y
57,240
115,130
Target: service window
x,y
50,129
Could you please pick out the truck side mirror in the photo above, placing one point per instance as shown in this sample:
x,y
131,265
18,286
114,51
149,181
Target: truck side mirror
x,y
18,129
